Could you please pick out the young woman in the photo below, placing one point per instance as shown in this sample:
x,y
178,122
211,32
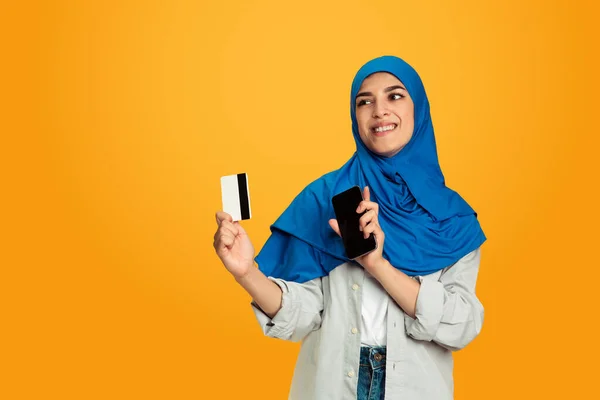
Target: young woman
x,y
383,326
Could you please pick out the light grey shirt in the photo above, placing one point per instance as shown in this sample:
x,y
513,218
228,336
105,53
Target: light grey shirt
x,y
325,314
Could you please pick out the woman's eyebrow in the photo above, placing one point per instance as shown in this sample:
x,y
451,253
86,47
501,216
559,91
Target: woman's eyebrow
x,y
388,89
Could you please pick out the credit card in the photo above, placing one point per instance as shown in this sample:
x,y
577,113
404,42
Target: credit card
x,y
235,195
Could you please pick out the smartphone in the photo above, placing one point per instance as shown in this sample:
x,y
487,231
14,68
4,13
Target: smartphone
x,y
344,206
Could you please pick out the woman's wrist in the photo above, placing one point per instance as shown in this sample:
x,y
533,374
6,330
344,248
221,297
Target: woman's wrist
x,y
247,276
379,267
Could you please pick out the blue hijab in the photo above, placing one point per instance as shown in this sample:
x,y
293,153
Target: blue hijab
x,y
427,225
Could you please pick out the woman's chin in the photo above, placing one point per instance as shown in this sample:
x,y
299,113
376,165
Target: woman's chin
x,y
386,151
383,152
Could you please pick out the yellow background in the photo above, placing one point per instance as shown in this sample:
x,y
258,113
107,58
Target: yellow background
x,y
119,117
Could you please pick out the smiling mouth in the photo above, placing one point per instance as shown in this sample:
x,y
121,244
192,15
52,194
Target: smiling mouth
x,y
383,130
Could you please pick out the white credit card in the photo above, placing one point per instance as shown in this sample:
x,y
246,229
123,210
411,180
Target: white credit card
x,y
235,195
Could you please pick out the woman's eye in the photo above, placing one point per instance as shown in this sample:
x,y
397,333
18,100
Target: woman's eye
x,y
363,102
396,96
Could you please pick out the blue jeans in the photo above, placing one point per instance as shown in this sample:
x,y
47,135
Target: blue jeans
x,y
371,374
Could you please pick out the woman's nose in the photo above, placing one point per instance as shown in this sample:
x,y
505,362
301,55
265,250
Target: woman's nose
x,y
380,110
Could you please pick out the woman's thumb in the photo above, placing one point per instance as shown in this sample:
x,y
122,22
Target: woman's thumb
x,y
241,230
334,225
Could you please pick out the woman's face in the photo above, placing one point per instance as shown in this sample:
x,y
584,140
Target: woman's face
x,y
385,114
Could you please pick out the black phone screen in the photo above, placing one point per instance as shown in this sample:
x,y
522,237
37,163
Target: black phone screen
x,y
344,206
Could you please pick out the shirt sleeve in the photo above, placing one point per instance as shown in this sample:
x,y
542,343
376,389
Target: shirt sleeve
x,y
300,312
448,311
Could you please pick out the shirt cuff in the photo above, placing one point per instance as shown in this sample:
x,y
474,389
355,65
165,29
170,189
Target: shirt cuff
x,y
428,312
281,325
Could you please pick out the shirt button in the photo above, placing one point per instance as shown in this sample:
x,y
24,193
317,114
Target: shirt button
x,y
354,330
355,287
351,374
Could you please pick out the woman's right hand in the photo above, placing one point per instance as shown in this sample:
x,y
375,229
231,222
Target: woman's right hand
x,y
233,246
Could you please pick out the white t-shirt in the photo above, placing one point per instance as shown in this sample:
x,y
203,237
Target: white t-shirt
x,y
374,312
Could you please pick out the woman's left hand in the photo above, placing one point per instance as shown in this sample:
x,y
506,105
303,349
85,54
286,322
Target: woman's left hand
x,y
368,223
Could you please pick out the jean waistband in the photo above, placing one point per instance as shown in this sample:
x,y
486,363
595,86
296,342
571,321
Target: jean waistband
x,y
374,356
